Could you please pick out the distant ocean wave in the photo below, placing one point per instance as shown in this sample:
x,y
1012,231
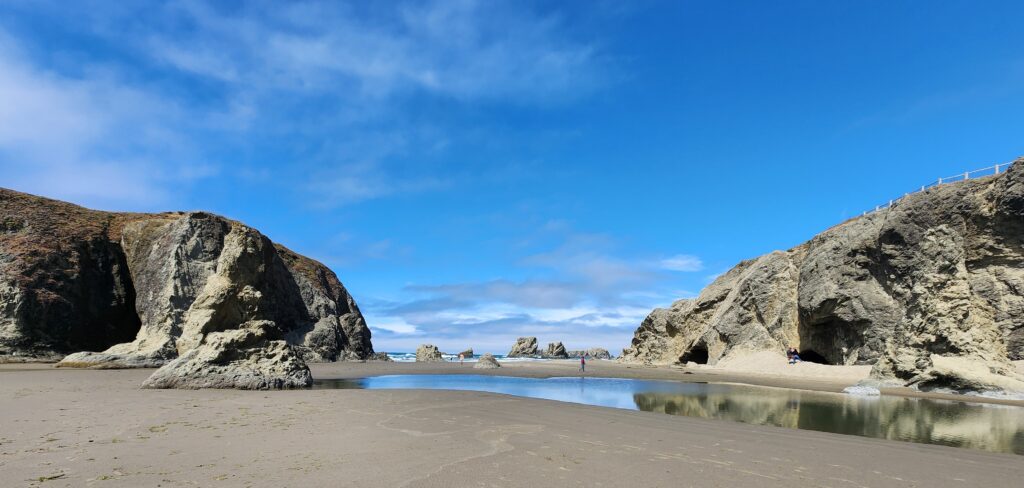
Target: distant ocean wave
x,y
410,357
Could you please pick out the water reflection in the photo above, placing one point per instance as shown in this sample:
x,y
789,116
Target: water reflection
x,y
988,427
977,426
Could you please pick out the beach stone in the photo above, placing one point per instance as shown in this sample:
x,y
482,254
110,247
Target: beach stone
x,y
487,361
468,353
930,292
525,347
555,350
594,352
380,356
428,353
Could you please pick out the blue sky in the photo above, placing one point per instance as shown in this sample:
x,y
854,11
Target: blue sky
x,y
479,170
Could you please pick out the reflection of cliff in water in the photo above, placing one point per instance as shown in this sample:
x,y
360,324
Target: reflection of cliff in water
x,y
987,427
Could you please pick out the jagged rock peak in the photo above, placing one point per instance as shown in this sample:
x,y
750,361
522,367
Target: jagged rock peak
x,y
524,347
555,350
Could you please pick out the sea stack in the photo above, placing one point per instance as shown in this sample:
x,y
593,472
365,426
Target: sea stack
x,y
525,347
428,353
555,350
76,279
594,353
929,291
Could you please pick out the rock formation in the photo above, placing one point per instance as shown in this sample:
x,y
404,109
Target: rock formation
x,y
930,291
428,353
487,361
594,352
242,358
468,353
74,279
555,350
525,347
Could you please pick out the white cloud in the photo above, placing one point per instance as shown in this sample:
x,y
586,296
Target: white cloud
x,y
94,140
397,327
467,50
683,262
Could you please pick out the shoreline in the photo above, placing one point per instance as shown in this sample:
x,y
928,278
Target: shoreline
x,y
69,428
612,369
604,368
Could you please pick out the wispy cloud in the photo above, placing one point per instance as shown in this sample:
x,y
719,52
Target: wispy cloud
x,y
326,84
683,262
465,49
593,297
94,140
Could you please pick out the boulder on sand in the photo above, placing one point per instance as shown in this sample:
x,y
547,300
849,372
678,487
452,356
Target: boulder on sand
x,y
428,353
487,361
525,347
241,358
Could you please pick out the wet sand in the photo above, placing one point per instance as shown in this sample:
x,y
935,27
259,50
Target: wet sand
x,y
97,428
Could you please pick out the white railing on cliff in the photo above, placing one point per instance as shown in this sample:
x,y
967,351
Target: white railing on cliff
x,y
978,173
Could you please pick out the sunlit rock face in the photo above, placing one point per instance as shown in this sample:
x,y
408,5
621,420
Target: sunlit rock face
x,y
929,291
525,347
74,279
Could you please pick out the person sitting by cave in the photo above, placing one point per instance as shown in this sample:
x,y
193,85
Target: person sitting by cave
x,y
792,355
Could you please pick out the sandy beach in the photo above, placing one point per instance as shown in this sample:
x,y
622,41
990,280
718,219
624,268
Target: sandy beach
x,y
97,428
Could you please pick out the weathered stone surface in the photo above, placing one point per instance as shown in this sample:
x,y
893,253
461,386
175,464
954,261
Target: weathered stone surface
x,y
487,361
468,353
428,353
929,291
525,347
72,278
198,273
594,352
64,281
555,350
242,358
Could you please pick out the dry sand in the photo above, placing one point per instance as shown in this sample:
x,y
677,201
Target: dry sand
x,y
97,428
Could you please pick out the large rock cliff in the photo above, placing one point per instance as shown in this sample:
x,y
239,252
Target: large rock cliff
x,y
149,288
930,291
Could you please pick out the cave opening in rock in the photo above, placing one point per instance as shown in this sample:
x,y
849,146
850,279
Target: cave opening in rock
x,y
828,339
697,354
812,356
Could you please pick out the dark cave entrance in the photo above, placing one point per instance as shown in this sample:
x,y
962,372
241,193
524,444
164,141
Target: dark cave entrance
x,y
697,354
812,356
827,339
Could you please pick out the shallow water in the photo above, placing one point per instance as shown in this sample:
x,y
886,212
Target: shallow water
x,y
996,428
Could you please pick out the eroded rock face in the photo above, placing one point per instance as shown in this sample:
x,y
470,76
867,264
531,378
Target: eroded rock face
x,y
929,291
555,350
243,358
428,353
468,353
170,281
198,273
487,361
594,352
64,283
525,347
